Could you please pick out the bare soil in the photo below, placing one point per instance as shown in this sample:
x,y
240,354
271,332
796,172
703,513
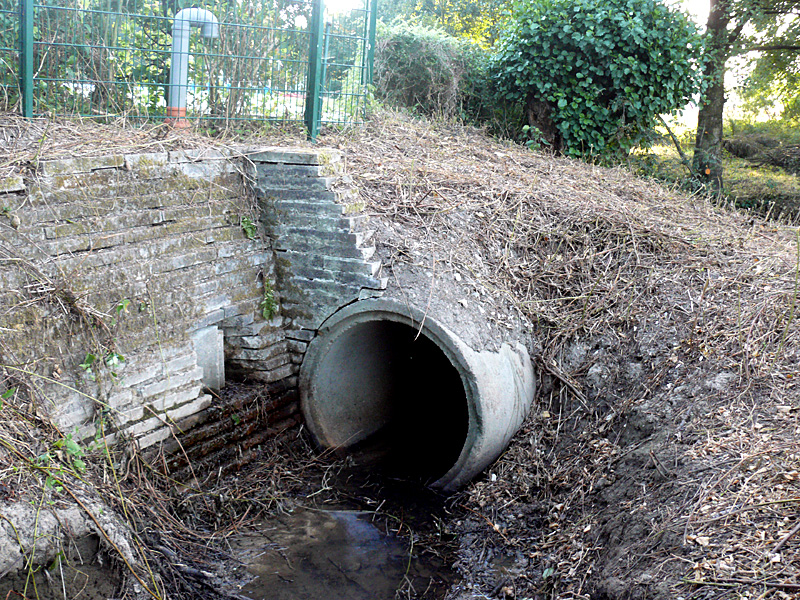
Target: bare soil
x,y
79,571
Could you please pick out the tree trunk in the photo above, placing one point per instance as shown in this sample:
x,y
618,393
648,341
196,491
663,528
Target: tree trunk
x,y
707,163
540,117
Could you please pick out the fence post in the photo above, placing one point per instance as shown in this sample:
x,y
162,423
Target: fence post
x,y
325,56
26,57
314,83
373,25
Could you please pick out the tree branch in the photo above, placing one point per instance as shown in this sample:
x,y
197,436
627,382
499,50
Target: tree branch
x,y
737,31
684,159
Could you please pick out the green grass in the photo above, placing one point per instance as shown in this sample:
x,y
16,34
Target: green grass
x,y
761,187
758,187
786,131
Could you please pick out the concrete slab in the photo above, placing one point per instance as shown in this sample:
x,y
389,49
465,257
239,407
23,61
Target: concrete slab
x,y
209,346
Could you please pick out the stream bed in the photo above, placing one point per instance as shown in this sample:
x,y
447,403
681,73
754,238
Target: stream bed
x,y
314,554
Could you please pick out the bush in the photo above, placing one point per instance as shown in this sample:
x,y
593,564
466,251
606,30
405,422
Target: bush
x,y
426,69
593,75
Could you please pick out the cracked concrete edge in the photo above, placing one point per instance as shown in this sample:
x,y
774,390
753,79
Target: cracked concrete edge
x,y
32,534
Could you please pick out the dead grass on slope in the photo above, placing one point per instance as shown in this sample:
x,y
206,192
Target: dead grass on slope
x,y
704,502
24,142
660,459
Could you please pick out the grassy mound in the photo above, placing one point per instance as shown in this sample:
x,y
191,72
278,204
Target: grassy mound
x,y
660,460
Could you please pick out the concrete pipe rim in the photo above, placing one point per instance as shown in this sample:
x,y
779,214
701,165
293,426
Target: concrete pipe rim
x,y
383,310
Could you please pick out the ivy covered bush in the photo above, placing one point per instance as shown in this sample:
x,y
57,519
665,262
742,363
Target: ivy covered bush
x,y
427,70
593,75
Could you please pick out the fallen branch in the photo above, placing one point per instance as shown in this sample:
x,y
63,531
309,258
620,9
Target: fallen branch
x,y
684,160
779,585
786,538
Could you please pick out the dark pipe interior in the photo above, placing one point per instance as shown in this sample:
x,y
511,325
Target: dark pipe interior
x,y
406,390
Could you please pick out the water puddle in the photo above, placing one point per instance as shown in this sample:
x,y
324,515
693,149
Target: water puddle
x,y
314,554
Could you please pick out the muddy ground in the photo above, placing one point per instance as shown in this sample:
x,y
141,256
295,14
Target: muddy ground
x,y
660,459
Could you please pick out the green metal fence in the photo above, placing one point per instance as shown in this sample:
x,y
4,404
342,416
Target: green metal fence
x,y
272,60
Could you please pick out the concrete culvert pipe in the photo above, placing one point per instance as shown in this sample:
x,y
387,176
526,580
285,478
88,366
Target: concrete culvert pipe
x,y
380,372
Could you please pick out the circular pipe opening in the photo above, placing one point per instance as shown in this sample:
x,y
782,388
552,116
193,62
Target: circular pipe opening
x,y
377,385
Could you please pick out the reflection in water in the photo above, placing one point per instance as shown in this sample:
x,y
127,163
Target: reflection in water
x,y
325,555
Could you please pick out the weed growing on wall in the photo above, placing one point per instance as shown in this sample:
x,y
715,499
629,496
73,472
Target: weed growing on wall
x,y
249,228
269,304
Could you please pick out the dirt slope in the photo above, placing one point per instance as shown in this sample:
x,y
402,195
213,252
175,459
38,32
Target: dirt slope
x,y
661,459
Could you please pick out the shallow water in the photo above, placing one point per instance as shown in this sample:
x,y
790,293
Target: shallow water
x,y
330,555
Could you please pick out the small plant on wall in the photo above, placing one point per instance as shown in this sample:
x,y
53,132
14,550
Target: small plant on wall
x,y
269,304
249,227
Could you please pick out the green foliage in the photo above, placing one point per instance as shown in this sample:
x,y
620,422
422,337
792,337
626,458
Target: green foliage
x,y
479,21
748,185
113,360
426,69
9,393
88,365
249,228
122,306
773,85
268,305
784,131
65,457
599,72
71,453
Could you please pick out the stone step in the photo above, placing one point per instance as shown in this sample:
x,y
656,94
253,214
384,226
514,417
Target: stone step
x,y
367,252
282,156
343,249
303,272
283,211
313,306
345,198
325,292
280,182
333,263
288,235
325,221
274,170
364,237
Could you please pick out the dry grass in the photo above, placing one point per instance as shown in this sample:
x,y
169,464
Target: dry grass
x,y
578,248
679,479
706,498
24,142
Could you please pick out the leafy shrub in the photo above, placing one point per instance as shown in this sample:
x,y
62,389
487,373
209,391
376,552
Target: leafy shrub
x,y
593,75
425,69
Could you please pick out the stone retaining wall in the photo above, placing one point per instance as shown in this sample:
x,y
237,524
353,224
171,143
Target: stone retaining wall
x,y
125,280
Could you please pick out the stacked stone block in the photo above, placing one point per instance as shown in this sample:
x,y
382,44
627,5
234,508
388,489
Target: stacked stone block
x,y
145,256
320,235
152,245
